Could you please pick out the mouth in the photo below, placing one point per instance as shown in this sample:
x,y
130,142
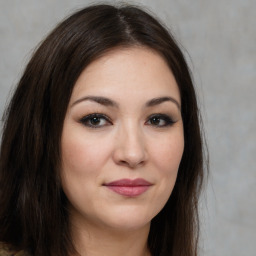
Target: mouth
x,y
129,188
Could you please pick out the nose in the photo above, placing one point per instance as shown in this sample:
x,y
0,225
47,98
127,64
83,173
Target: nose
x,y
130,147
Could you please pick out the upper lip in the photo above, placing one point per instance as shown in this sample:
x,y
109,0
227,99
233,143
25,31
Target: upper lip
x,y
129,183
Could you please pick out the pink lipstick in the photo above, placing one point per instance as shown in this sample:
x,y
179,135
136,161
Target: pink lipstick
x,y
129,188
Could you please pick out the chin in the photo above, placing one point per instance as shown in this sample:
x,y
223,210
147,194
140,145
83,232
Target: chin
x,y
127,224
127,218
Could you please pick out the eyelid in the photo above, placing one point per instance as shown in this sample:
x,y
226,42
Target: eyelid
x,y
87,118
169,121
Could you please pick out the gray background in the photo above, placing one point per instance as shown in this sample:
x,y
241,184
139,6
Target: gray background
x,y
219,37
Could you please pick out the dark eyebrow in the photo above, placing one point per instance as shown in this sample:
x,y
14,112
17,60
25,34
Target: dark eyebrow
x,y
110,103
101,100
157,101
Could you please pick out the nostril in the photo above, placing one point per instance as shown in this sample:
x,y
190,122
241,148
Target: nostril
x,y
131,164
130,150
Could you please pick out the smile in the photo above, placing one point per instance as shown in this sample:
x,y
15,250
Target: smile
x,y
129,188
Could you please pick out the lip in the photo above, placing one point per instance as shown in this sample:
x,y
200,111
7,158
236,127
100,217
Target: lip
x,y
128,187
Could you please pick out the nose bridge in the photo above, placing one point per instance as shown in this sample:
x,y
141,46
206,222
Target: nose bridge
x,y
132,135
130,149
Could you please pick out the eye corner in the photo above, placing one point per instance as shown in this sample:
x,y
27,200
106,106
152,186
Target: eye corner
x,y
159,120
95,121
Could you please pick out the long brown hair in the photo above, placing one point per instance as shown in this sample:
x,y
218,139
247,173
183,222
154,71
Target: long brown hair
x,y
33,207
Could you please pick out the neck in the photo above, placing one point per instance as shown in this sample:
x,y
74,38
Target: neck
x,y
91,240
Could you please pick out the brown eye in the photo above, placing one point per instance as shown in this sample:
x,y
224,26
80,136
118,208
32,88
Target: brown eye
x,y
95,120
160,120
155,121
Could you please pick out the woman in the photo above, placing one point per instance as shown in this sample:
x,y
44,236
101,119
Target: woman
x,y
101,151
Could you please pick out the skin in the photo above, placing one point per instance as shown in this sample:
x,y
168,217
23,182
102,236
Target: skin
x,y
127,142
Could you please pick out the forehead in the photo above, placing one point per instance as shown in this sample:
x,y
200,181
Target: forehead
x,y
136,71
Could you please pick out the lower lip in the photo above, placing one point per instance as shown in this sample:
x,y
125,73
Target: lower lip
x,y
129,191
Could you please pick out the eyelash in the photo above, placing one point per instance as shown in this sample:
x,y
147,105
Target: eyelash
x,y
87,120
168,121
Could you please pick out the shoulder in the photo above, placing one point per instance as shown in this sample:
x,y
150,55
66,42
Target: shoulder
x,y
7,250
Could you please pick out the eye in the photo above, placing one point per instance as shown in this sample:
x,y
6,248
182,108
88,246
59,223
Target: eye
x,y
160,120
95,120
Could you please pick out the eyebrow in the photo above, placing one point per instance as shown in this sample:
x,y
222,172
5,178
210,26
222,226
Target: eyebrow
x,y
101,100
157,101
110,103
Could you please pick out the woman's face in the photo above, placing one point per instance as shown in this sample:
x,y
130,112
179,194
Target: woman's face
x,y
122,140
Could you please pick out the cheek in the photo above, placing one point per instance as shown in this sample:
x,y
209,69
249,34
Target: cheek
x,y
83,158
81,154
82,162
168,154
167,157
